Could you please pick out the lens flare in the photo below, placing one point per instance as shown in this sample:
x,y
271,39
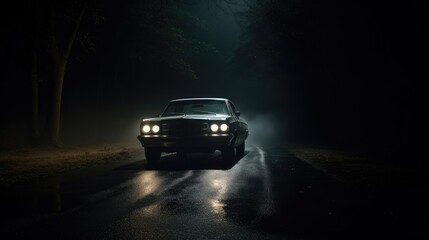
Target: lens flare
x,y
214,127
155,128
146,128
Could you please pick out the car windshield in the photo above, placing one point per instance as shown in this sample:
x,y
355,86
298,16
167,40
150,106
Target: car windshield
x,y
196,107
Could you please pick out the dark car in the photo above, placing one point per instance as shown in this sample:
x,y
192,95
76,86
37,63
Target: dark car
x,y
195,125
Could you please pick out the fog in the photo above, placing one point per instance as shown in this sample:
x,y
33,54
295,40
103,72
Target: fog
x,y
312,72
266,129
132,92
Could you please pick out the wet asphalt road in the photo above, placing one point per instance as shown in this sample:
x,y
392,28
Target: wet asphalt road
x,y
267,194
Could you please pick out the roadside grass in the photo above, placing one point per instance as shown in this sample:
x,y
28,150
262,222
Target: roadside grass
x,y
392,183
31,162
352,167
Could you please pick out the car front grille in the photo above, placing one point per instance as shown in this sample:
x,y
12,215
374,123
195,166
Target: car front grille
x,y
183,128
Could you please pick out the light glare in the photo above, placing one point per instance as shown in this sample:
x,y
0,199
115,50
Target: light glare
x,y
155,128
214,127
223,127
146,128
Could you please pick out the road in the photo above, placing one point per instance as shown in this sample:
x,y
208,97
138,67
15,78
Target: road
x,y
267,194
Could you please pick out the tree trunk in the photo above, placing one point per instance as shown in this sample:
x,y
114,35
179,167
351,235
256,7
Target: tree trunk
x,y
57,91
35,102
60,59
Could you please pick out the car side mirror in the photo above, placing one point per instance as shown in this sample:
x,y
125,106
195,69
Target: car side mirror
x,y
237,113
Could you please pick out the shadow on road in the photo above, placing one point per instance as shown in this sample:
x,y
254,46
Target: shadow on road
x,y
311,204
192,161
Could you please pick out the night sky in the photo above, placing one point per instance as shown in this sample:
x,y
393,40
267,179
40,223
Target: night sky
x,y
340,73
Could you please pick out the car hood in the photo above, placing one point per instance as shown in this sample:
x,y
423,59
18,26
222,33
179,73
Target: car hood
x,y
218,117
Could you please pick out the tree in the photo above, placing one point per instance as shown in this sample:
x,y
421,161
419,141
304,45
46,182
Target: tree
x,y
34,73
343,67
60,56
157,35
55,28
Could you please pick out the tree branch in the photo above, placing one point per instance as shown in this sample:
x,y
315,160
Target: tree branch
x,y
73,35
53,40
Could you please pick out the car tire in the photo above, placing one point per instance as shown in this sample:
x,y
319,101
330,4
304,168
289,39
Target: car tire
x,y
229,153
153,155
241,150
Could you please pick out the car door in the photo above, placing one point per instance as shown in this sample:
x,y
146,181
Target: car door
x,y
241,126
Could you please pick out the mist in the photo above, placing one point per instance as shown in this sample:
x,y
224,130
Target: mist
x,y
266,130
314,73
331,91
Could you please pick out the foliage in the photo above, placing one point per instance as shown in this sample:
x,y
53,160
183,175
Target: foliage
x,y
317,52
170,35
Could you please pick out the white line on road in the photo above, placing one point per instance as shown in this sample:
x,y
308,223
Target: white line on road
x,y
267,207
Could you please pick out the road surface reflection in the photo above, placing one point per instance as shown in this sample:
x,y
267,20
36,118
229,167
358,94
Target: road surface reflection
x,y
260,196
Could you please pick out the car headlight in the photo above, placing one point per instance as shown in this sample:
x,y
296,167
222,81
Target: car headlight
x,y
155,128
224,127
146,128
214,127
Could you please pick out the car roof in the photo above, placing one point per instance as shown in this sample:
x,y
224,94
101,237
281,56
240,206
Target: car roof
x,y
190,99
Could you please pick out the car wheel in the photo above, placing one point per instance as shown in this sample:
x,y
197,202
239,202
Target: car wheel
x,y
229,154
241,149
153,155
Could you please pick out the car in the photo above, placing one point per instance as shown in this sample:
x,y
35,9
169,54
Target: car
x,y
195,125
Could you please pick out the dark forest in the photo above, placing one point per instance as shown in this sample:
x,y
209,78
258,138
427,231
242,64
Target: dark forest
x,y
327,143
336,73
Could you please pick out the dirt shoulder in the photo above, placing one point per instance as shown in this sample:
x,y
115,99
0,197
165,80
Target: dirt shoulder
x,y
358,169
344,165
397,189
27,163
351,167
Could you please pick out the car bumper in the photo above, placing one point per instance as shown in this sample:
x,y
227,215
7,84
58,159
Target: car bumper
x,y
202,142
